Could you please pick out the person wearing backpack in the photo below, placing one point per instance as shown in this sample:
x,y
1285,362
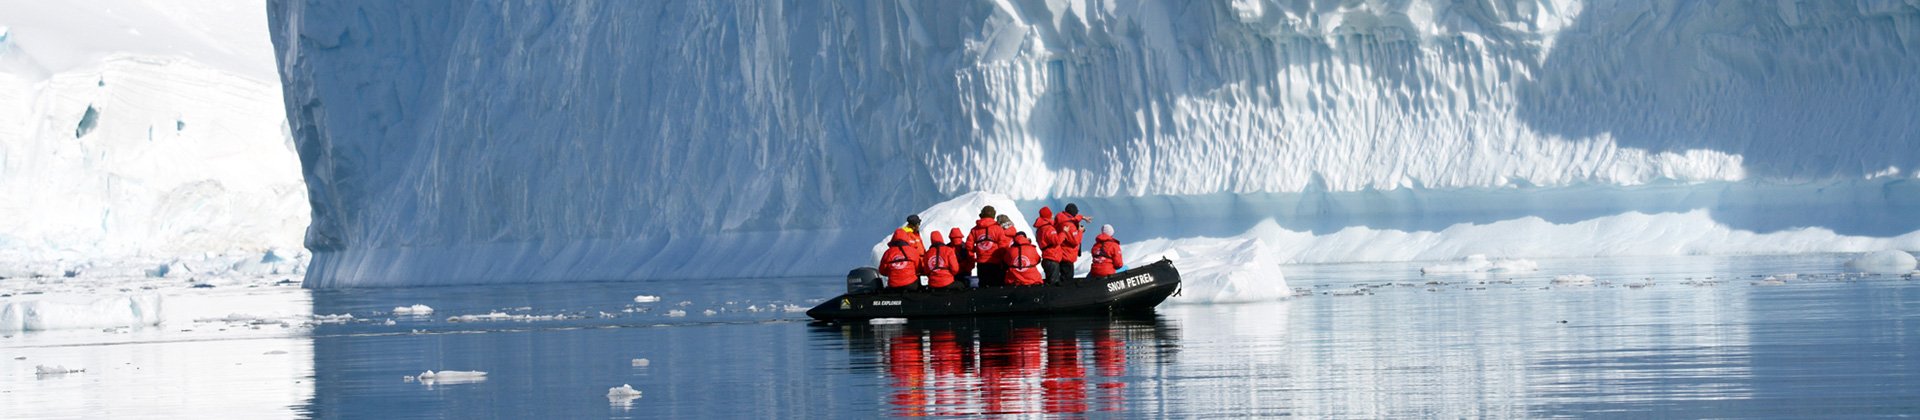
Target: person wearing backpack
x,y
987,240
900,264
1023,262
939,264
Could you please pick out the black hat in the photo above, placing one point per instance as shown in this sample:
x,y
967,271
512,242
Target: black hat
x,y
1073,209
913,219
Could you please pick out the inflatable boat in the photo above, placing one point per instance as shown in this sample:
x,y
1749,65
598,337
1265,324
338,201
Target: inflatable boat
x,y
1132,291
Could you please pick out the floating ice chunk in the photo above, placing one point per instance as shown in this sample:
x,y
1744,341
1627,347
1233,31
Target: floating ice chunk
x,y
790,308
42,315
502,316
676,313
452,377
646,299
1889,261
709,312
1573,280
641,362
332,319
1479,263
887,321
622,395
416,309
624,390
1218,270
44,370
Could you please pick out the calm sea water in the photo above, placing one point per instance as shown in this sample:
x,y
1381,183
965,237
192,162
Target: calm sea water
x,y
1671,337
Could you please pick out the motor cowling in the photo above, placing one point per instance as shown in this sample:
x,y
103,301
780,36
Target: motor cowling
x,y
863,280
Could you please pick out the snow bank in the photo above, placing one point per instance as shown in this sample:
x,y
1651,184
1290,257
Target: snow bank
x,y
416,309
1478,263
959,212
42,315
1889,261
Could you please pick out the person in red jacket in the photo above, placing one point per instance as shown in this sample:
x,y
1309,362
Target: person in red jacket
x,y
1047,239
940,263
1023,262
899,264
1106,254
958,241
911,233
987,239
1072,231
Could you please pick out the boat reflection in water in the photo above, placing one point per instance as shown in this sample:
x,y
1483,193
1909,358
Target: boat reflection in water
x,y
1008,365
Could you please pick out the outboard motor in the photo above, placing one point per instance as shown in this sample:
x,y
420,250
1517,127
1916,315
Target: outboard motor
x,y
863,280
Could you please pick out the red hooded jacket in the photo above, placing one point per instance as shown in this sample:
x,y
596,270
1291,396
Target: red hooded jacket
x,y
958,241
1070,236
1106,256
940,263
900,264
987,239
1046,236
1023,263
913,238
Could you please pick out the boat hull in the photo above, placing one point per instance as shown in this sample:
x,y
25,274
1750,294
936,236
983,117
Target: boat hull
x,y
1136,290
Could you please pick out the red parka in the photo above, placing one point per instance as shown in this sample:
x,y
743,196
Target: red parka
x,y
1045,236
1106,256
987,239
900,264
1070,236
940,263
1023,263
958,241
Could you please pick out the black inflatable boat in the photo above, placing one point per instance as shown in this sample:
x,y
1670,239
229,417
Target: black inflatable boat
x,y
1131,291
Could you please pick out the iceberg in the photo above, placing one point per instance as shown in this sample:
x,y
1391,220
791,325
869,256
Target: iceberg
x,y
1886,261
457,142
110,312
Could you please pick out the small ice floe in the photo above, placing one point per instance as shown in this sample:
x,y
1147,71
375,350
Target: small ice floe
x,y
676,313
646,299
709,312
503,316
48,370
791,308
416,309
753,308
332,319
1573,280
1771,281
388,323
641,362
1479,263
887,321
1890,261
622,395
450,377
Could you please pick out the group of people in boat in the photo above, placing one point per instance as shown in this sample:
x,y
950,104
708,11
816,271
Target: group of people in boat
x,y
994,253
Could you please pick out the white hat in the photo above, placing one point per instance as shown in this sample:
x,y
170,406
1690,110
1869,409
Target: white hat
x,y
1106,229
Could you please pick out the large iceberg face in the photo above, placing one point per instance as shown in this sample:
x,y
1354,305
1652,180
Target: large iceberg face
x,y
460,142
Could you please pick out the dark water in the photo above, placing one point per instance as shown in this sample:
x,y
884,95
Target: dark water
x,y
1651,338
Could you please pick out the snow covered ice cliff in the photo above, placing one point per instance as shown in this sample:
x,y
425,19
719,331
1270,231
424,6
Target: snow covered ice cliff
x,y
138,134
462,142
